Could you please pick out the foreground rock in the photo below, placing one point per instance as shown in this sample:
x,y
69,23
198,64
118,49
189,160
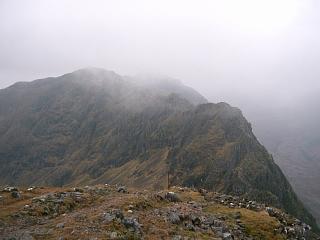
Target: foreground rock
x,y
105,212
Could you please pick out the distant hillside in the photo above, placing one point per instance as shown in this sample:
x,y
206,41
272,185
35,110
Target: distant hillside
x,y
294,141
94,126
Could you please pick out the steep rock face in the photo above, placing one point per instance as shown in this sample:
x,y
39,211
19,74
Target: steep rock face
x,y
94,126
221,153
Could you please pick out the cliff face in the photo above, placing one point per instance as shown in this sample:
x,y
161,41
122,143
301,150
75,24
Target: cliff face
x,y
94,126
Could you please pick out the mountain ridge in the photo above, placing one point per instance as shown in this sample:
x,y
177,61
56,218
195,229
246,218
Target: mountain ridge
x,y
86,127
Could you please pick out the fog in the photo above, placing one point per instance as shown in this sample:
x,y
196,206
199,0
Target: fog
x,y
252,54
262,56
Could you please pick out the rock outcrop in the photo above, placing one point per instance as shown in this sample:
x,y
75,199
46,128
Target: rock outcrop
x,y
102,212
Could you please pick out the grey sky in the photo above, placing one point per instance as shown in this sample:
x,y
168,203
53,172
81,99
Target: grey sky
x,y
230,50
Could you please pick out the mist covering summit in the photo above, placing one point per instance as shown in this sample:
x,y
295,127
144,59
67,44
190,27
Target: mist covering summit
x,y
95,126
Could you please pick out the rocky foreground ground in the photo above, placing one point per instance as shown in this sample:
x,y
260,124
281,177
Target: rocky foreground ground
x,y
114,212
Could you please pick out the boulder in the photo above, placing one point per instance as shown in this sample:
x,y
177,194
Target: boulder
x,y
113,235
122,189
217,230
118,213
190,226
10,189
60,225
203,192
172,197
227,236
174,218
177,237
15,194
196,220
108,217
132,224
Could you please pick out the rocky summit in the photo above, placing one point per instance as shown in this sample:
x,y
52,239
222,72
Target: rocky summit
x,y
94,126
116,212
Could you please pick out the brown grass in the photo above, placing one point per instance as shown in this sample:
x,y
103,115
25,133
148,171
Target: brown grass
x,y
258,224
